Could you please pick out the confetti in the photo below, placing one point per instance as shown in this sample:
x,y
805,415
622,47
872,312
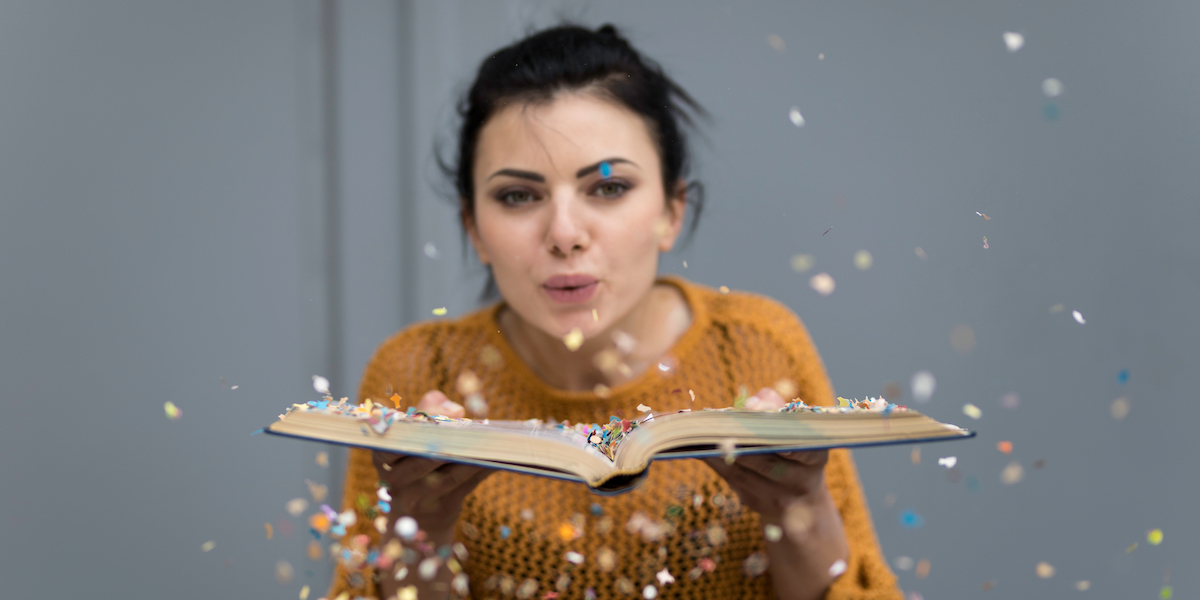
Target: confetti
x,y
320,384
910,519
643,408
1119,408
915,596
756,564
233,387
1012,473
1154,537
1005,447
207,546
1052,87
1078,317
439,312
773,533
727,447
595,316
427,569
1010,401
962,339
923,566
1165,592
1057,308
904,563
795,117
923,385
915,455
173,412
1122,376
1083,585
972,411
837,568
862,260
650,592
1045,570
776,42
985,244
948,461
723,289
828,230
797,519
406,528
821,56
270,530
664,577
430,250
823,283
574,339
1129,549
406,593
802,262
574,558
304,593
284,572
921,253
605,169
296,506
786,388
1013,41
985,217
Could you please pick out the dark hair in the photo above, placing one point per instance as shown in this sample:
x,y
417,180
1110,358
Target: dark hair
x,y
569,58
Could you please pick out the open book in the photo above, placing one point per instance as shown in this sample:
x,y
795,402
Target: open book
x,y
613,457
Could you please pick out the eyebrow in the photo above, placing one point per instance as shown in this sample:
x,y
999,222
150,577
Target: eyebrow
x,y
581,173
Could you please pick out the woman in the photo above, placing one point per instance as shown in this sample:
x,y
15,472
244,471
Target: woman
x,y
570,173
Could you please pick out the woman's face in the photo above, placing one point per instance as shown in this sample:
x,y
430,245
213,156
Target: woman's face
x,y
570,211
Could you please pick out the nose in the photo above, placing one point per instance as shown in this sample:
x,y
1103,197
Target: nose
x,y
567,232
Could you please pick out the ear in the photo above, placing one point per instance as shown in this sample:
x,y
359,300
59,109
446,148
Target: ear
x,y
472,229
673,215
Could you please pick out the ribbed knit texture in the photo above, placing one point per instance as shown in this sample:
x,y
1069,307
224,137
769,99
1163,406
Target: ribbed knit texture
x,y
736,340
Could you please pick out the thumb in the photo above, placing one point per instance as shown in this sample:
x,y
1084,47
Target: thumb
x,y
436,403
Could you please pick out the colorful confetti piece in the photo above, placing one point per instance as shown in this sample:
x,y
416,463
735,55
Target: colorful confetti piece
x,y
823,283
173,412
1119,408
284,572
922,570
1154,537
208,546
605,169
1005,447
1013,41
1083,585
910,519
803,262
1052,87
270,530
574,339
972,411
837,568
863,260
1044,570
948,461
440,311
1012,473
1122,376
795,117
1078,317
923,385
776,42
320,384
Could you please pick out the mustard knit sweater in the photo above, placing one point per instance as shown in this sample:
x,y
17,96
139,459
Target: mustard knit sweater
x,y
518,528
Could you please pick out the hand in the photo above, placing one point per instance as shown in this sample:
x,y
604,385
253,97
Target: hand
x,y
770,483
430,491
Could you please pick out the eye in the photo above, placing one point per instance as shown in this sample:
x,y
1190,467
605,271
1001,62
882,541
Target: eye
x,y
515,197
611,189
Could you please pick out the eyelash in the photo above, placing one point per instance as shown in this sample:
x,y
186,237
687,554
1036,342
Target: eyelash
x,y
503,197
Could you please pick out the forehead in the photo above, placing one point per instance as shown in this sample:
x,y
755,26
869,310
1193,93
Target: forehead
x,y
569,131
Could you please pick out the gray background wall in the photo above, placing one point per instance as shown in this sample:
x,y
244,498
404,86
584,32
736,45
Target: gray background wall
x,y
198,191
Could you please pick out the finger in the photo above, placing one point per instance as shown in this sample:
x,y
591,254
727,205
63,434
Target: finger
x,y
435,402
809,458
465,488
413,468
765,400
452,475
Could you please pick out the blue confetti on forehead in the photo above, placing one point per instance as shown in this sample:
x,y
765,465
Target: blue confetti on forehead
x,y
605,169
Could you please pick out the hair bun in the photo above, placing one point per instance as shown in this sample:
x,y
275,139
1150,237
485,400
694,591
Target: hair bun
x,y
608,29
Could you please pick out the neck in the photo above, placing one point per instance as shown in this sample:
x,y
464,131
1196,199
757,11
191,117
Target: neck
x,y
658,319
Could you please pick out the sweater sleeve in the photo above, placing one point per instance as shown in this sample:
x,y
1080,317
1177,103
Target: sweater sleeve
x,y
867,575
401,366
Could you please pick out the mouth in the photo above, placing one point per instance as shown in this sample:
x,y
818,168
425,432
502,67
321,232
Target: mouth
x,y
571,288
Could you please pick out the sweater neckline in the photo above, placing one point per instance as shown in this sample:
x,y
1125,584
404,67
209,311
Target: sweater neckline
x,y
679,350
